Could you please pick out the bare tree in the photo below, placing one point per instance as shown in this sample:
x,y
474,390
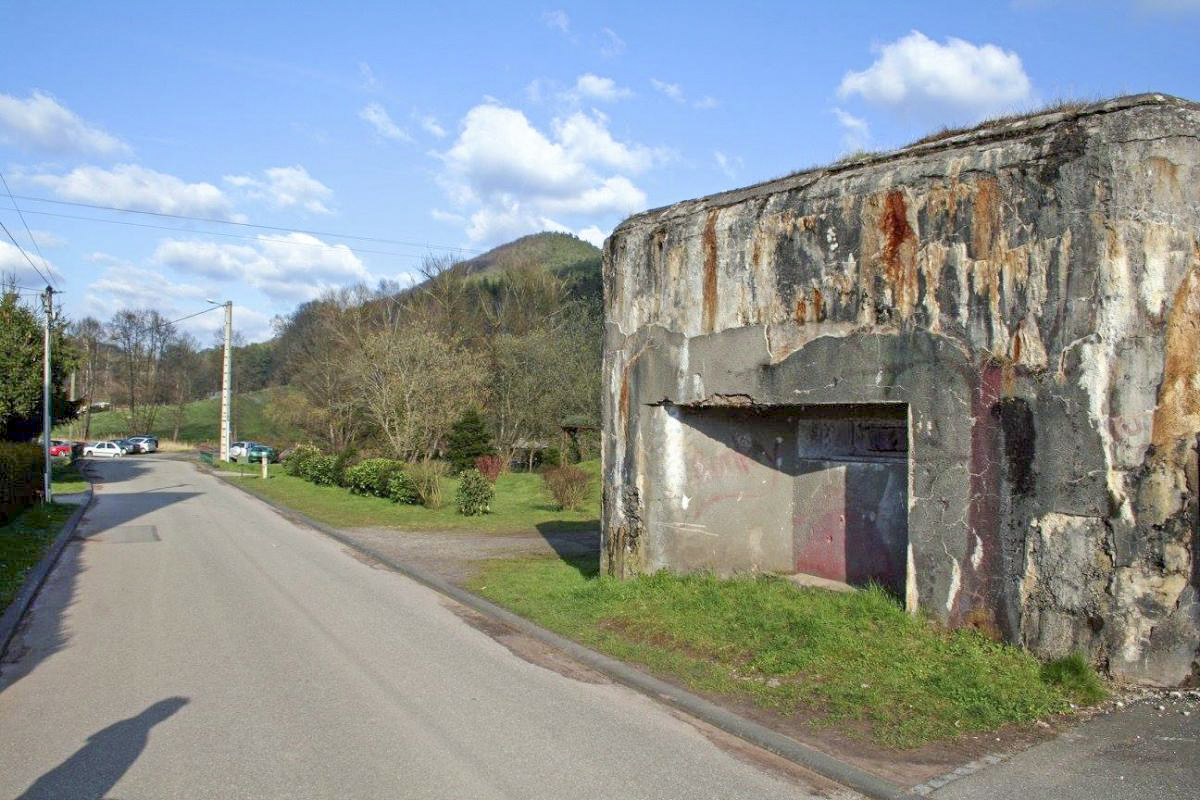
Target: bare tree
x,y
141,336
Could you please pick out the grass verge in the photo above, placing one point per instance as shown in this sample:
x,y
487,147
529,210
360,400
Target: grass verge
x,y
23,541
829,657
521,503
67,478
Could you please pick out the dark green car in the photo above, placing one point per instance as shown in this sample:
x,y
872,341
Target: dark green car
x,y
254,454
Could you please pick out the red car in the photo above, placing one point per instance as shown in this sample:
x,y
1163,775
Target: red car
x,y
59,448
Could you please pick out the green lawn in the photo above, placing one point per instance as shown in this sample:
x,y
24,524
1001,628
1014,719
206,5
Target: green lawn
x,y
67,478
200,421
521,503
827,656
23,541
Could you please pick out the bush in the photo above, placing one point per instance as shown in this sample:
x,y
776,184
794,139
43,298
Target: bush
x,y
295,462
372,476
401,489
20,476
468,440
550,457
570,486
474,494
490,466
427,478
321,470
341,464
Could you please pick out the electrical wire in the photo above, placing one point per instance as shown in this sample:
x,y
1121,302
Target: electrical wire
x,y
250,237
32,238
27,258
217,221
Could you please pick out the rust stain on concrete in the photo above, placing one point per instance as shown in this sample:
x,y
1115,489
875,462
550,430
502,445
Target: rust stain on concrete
x,y
710,273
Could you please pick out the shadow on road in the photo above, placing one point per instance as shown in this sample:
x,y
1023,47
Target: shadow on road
x,y
97,766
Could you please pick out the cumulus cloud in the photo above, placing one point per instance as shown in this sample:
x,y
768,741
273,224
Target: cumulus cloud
x,y
285,187
592,234
519,179
41,123
15,266
291,267
917,74
594,87
856,134
379,119
137,188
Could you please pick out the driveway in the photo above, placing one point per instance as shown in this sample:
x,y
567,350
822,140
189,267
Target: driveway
x,y
193,643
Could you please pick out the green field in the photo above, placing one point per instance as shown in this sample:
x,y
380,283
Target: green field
x,y
23,541
521,503
830,657
200,422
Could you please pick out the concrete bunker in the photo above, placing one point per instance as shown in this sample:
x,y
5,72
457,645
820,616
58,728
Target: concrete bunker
x,y
978,352
828,485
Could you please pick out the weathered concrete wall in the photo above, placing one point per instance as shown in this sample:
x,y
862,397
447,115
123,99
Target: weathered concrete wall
x,y
1029,294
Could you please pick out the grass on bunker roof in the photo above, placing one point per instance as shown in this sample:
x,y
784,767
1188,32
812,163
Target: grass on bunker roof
x,y
832,657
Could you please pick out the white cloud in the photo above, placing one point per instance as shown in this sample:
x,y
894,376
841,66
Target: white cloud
x,y
594,87
48,239
285,187
671,90
14,265
518,179
730,165
291,267
41,123
611,45
592,234
369,81
705,103
379,119
431,125
856,134
917,74
134,187
558,20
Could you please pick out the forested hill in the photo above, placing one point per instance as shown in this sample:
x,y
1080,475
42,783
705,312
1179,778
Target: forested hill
x,y
564,253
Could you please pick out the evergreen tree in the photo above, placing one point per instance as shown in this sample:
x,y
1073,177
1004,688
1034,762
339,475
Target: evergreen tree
x,y
21,370
468,439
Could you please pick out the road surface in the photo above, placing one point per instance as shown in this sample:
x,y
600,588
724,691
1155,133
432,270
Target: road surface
x,y
192,643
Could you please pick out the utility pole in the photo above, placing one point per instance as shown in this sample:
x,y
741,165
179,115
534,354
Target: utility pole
x,y
48,302
226,380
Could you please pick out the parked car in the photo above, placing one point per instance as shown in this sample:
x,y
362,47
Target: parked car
x,y
60,448
127,446
104,449
238,449
148,443
254,454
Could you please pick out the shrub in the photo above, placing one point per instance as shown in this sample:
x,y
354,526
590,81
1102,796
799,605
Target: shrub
x,y
321,470
550,457
372,476
341,464
490,466
401,489
20,476
474,495
468,440
570,486
427,478
295,462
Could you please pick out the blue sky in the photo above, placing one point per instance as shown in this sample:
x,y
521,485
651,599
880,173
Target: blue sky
x,y
463,125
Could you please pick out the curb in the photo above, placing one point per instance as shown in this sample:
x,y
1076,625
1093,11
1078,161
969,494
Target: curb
x,y
756,734
37,576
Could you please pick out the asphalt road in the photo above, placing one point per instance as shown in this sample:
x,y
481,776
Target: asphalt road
x,y
194,644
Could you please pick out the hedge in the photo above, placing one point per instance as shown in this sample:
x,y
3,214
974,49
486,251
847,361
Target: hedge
x,y
20,477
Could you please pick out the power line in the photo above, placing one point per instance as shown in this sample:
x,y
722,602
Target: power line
x,y
189,316
216,221
13,200
250,237
27,258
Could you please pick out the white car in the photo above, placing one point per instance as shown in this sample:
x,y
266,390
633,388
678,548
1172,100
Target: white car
x,y
148,443
238,449
105,449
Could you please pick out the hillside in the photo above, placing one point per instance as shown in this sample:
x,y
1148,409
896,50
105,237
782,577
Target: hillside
x,y
559,252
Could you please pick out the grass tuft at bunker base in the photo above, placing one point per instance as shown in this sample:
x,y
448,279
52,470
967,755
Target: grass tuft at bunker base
x,y
829,656
23,541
